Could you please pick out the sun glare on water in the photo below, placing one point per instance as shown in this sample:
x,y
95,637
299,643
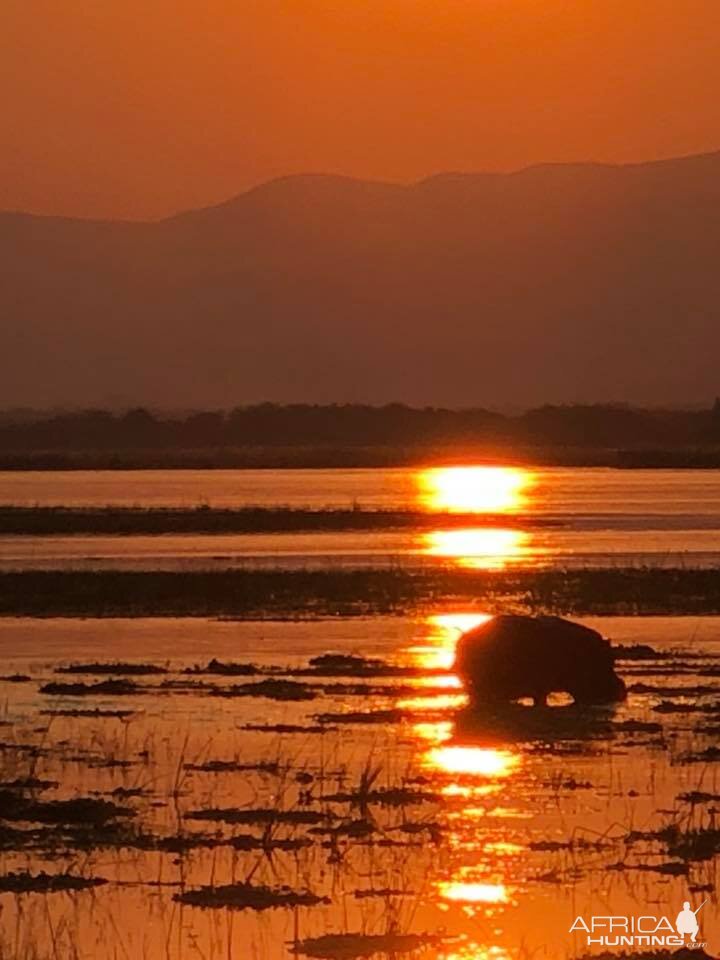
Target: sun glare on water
x,y
474,489
483,548
438,652
477,761
465,892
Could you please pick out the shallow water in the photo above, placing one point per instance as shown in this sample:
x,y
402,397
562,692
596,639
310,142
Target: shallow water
x,y
526,517
463,862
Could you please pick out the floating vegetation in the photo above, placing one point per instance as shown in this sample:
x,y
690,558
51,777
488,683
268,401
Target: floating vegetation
x,y
46,883
202,801
692,844
363,717
271,690
319,728
351,665
105,688
27,783
259,816
383,796
357,946
85,810
697,797
246,896
218,668
233,766
76,713
273,594
114,669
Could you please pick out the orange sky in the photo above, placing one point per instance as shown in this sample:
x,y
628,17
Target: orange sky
x,y
138,108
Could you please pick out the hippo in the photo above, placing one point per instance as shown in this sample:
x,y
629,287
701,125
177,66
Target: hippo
x,y
512,657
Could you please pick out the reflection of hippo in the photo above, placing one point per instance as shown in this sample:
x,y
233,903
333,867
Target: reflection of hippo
x,y
511,657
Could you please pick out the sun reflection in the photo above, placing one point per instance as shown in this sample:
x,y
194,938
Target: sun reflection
x,y
481,548
472,951
478,761
443,701
455,623
467,892
474,489
439,652
434,732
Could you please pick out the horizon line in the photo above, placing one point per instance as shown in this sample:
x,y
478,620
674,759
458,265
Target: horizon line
x,y
349,178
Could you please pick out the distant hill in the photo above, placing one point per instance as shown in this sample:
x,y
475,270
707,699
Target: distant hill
x,y
556,283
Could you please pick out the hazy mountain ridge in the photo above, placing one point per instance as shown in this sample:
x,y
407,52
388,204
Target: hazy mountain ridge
x,y
559,282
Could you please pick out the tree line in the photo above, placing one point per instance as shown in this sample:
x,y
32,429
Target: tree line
x,y
597,426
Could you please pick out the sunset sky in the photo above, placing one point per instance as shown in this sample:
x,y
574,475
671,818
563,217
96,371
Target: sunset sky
x,y
138,108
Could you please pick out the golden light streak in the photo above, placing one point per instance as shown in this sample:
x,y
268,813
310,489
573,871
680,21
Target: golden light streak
x,y
467,892
480,548
474,489
477,761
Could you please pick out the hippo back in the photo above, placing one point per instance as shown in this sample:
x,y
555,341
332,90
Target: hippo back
x,y
513,656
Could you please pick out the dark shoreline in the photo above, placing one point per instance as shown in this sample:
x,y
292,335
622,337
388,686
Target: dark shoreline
x,y
279,594
127,521
358,458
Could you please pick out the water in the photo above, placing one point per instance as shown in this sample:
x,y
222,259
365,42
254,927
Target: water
x,y
482,858
526,517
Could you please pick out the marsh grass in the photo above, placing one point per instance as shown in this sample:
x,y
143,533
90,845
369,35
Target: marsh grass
x,y
307,594
126,521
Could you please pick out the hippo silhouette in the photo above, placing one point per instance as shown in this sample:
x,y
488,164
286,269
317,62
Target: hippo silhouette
x,y
514,657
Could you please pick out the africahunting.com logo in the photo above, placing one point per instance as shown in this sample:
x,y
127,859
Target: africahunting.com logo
x,y
643,931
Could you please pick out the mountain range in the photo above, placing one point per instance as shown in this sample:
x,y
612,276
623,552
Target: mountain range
x,y
557,283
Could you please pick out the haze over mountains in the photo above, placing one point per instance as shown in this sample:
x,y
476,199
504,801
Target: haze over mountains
x,y
557,283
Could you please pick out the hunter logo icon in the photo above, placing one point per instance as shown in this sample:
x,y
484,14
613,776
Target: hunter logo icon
x,y
687,922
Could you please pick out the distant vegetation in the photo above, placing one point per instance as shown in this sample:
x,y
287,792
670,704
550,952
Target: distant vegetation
x,y
118,521
354,435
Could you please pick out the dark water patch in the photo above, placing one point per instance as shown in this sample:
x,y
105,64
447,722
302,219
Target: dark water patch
x,y
515,722
16,678
246,896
